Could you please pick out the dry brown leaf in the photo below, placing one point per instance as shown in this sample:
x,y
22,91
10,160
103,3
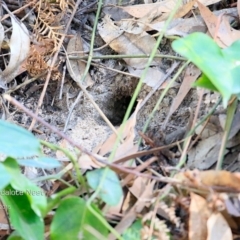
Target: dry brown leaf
x,y
208,131
205,154
219,27
140,10
218,228
198,216
223,180
128,202
130,217
114,210
209,18
226,33
19,47
127,146
76,68
128,43
191,74
138,186
182,11
86,162
183,27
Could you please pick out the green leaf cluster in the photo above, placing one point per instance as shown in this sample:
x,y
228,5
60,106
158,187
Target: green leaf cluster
x,y
27,204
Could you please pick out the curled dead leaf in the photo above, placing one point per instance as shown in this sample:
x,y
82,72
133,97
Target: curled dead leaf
x,y
76,68
19,47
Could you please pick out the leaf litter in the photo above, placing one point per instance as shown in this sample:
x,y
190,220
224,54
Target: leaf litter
x,y
205,200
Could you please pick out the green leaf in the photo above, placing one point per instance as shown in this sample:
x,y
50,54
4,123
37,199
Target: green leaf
x,y
71,219
22,217
17,142
204,82
5,177
133,232
15,236
19,182
41,162
111,190
222,67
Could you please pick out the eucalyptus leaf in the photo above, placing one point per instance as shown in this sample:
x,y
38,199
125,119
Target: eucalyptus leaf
x,y
111,190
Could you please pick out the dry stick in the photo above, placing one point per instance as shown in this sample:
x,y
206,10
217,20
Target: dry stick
x,y
111,69
52,128
53,63
25,83
62,82
128,56
71,109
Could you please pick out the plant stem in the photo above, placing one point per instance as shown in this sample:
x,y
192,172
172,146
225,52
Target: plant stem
x,y
230,114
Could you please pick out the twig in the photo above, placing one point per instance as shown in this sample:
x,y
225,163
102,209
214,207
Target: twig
x,y
71,110
52,128
53,63
62,82
25,83
128,56
111,69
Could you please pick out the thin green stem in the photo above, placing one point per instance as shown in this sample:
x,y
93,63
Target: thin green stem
x,y
71,158
230,115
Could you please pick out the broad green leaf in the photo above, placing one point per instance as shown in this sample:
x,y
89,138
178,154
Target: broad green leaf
x,y
111,190
71,219
5,177
15,236
133,232
204,82
15,141
41,162
22,217
19,182
222,67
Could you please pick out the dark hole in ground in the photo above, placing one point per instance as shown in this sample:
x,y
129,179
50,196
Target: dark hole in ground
x,y
120,106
